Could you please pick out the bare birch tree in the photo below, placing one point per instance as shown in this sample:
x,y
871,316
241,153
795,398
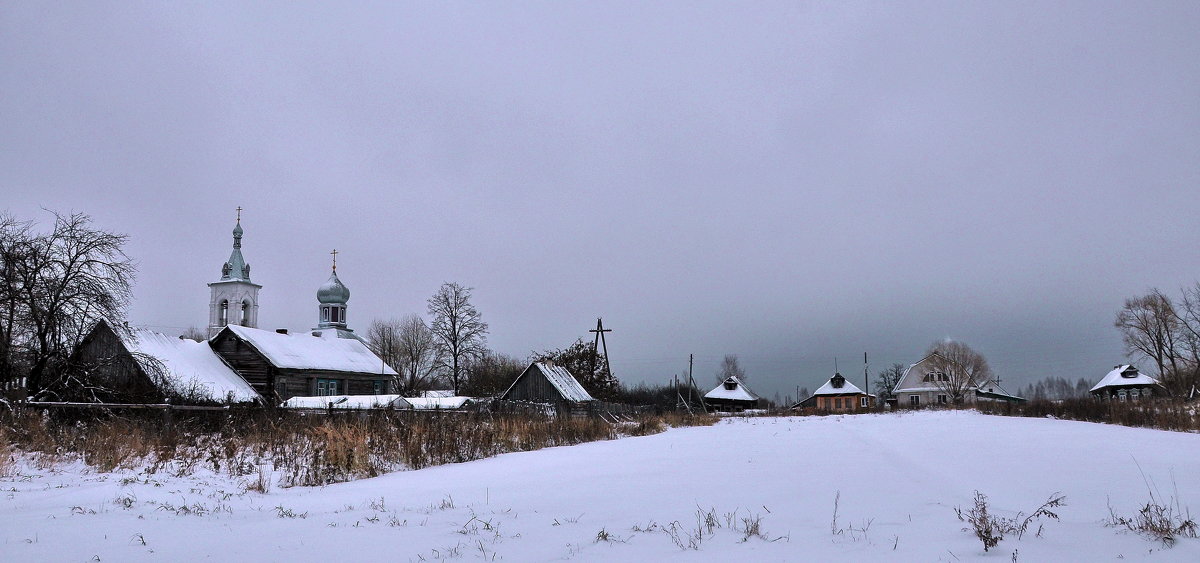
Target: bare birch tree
x,y
730,367
458,328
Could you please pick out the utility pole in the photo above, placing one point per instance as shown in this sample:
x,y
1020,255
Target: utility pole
x,y
599,341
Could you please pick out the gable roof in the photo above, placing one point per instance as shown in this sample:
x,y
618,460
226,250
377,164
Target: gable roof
x,y
1115,379
739,392
847,388
559,378
187,366
305,351
912,381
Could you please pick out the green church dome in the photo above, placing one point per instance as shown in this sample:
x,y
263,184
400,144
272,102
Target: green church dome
x,y
333,291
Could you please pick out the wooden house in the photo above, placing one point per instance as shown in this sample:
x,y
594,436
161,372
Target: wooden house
x,y
839,395
122,364
544,382
281,366
1126,383
732,395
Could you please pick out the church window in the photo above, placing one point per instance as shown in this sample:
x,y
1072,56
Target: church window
x,y
325,314
333,314
223,314
245,314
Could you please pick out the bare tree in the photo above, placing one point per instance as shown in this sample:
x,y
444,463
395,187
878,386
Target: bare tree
x,y
956,369
66,280
1189,323
1151,328
409,347
15,245
491,374
458,328
886,380
194,333
420,356
731,368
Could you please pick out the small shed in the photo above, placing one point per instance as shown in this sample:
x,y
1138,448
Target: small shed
x,y
544,382
732,395
1126,383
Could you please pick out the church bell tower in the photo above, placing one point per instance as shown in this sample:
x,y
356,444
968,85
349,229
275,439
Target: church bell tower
x,y
233,298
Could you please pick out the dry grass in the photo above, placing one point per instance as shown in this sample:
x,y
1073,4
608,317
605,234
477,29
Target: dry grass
x,y
299,450
1162,413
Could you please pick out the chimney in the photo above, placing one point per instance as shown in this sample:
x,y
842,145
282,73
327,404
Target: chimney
x,y
281,330
549,363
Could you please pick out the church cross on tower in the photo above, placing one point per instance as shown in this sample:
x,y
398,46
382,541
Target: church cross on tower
x,y
334,253
239,211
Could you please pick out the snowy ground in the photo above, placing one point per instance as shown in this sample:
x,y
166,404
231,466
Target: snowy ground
x,y
898,477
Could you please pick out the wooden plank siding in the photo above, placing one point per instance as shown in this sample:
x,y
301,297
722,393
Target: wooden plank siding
x,y
103,361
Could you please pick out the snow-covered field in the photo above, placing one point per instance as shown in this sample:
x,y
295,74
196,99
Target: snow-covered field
x,y
897,479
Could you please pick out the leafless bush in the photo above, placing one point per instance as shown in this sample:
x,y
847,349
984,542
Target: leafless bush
x,y
991,529
1155,520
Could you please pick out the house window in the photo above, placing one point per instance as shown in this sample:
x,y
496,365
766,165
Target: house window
x,y
914,400
379,387
862,402
837,404
326,387
941,399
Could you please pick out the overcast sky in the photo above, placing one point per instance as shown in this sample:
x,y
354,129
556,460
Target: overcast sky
x,y
789,182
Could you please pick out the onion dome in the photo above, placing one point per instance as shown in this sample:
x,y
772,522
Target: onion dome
x,y
333,291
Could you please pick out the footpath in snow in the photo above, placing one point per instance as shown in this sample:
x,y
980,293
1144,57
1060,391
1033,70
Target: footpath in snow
x,y
759,489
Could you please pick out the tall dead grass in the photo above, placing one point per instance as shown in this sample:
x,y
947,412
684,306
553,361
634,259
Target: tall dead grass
x,y
300,450
1163,413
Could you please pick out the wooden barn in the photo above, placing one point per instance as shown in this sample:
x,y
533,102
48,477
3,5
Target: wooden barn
x,y
544,382
1126,383
732,395
281,366
122,364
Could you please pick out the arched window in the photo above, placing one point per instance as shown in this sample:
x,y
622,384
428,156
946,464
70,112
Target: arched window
x,y
245,313
223,314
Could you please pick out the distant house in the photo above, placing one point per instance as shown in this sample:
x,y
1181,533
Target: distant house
x,y
838,395
122,364
544,382
1126,383
925,383
731,394
281,366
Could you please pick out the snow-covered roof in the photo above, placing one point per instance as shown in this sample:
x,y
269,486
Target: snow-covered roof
x,y
188,366
347,402
829,389
437,403
1115,379
305,351
738,393
561,379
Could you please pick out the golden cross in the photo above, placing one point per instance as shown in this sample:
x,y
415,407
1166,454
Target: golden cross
x,y
239,210
334,253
